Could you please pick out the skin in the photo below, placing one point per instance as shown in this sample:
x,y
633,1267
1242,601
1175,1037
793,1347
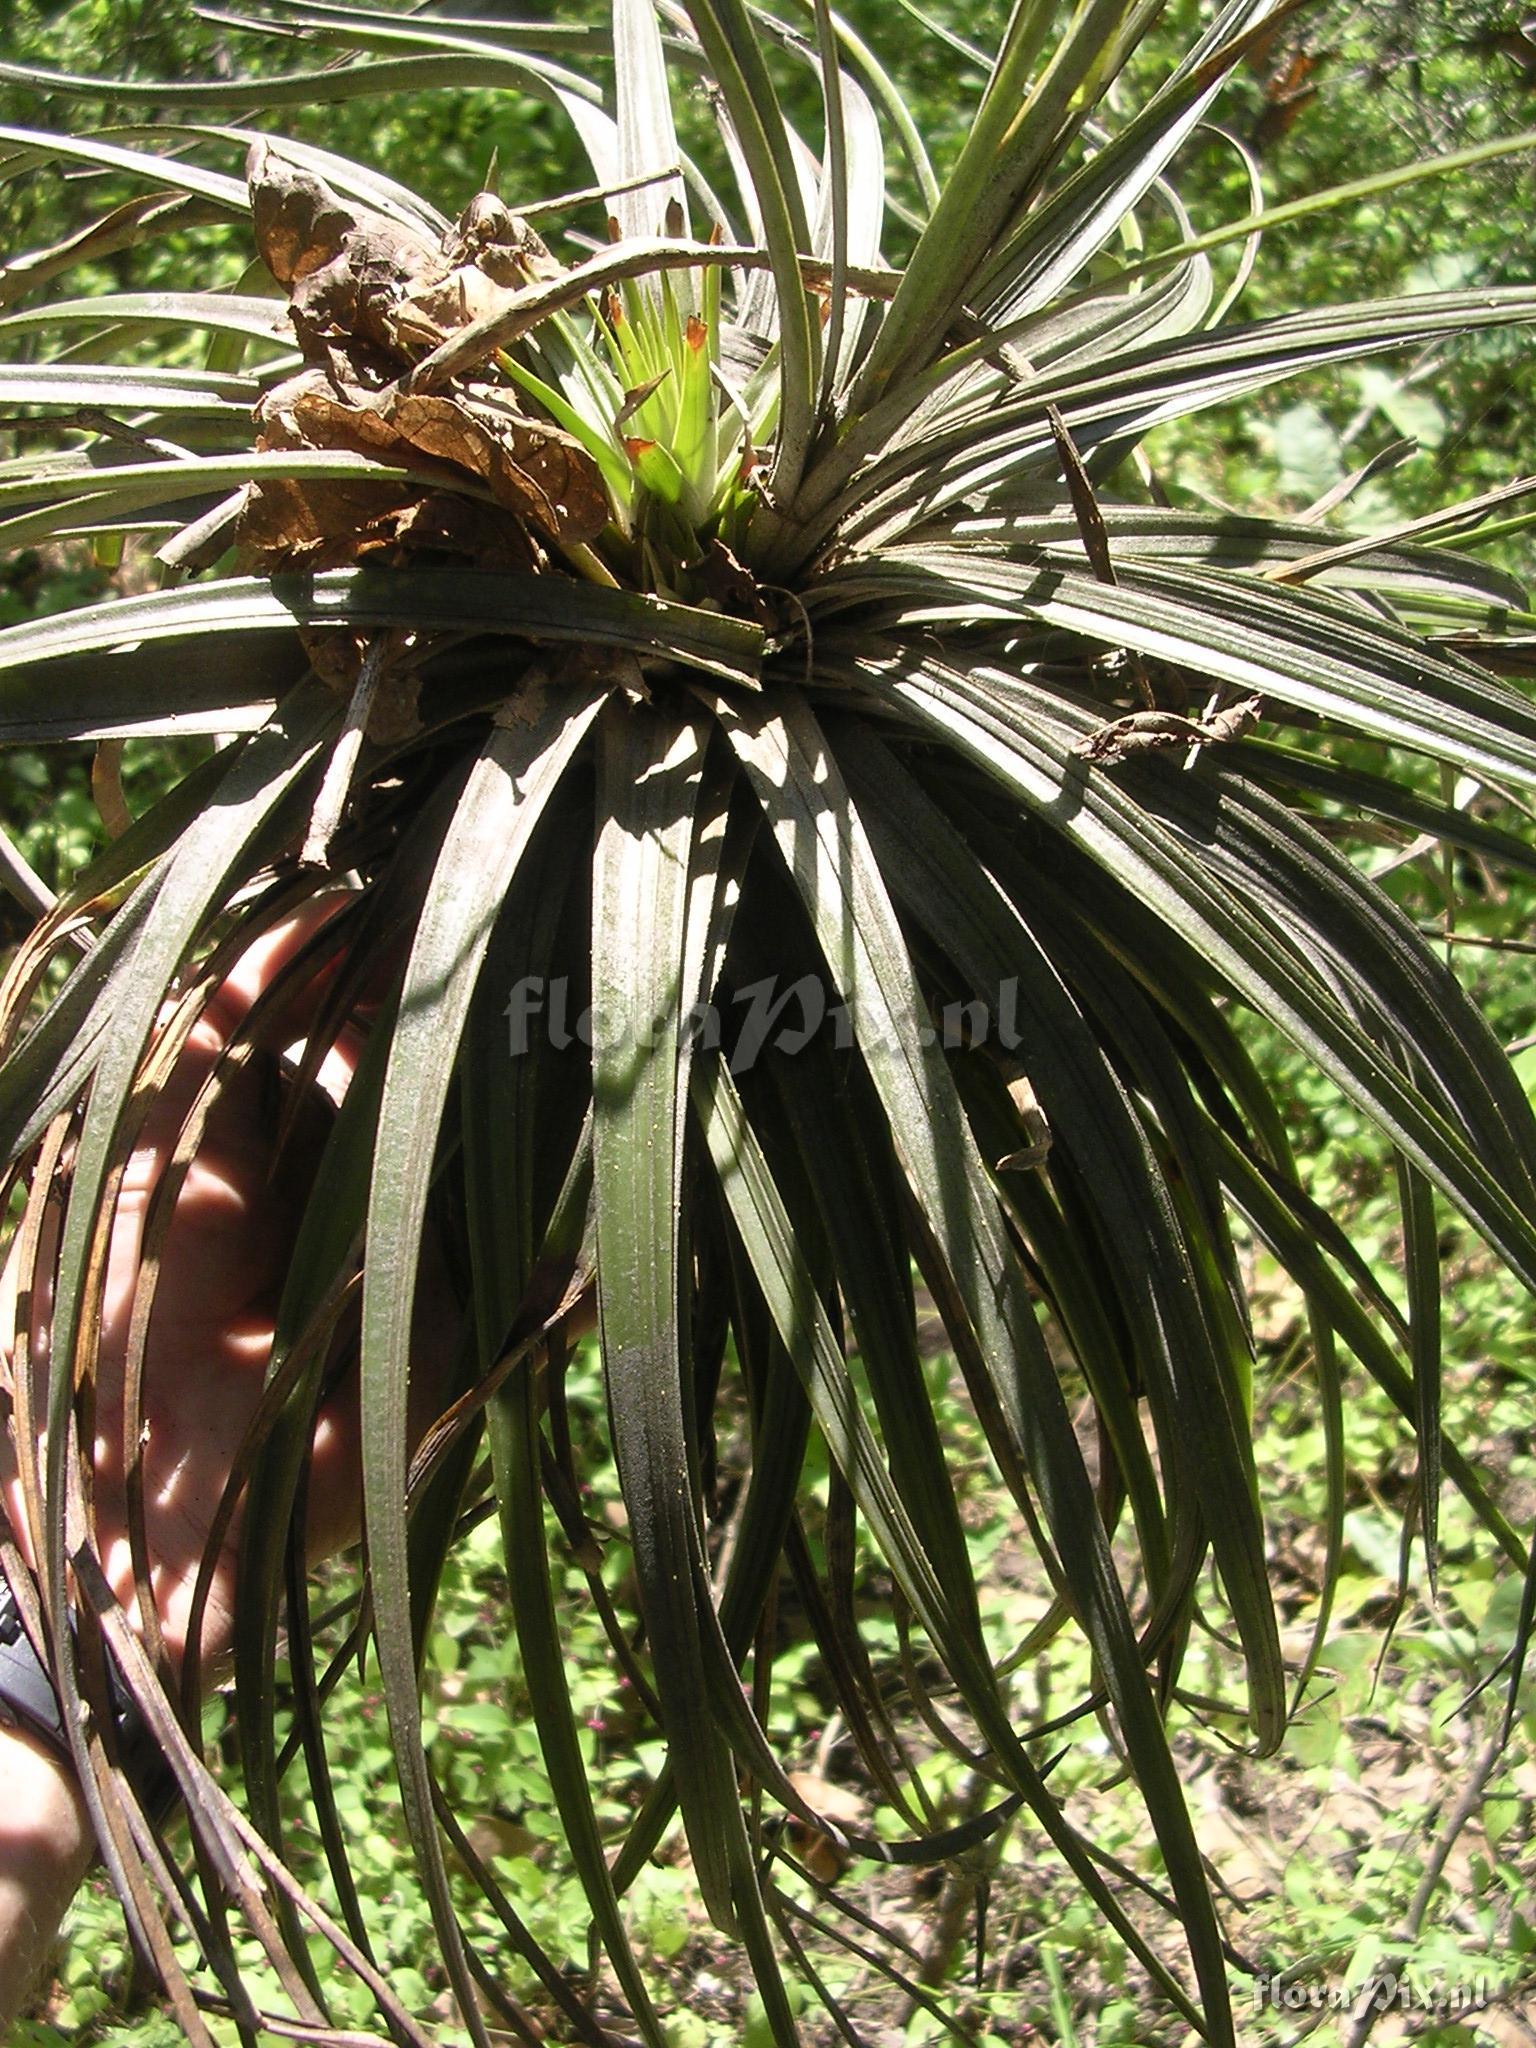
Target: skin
x,y
210,1336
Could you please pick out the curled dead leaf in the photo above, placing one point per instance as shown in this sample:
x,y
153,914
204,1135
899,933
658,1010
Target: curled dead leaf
x,y
323,525
533,469
300,224
283,519
500,242
356,276
308,411
344,267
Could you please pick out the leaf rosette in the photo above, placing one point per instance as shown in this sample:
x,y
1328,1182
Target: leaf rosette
x,y
765,649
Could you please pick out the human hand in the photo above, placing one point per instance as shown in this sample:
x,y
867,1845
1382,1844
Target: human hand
x,y
222,1264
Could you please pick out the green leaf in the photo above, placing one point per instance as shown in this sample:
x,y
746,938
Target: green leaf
x,y
537,608
823,846
257,788
518,770
109,385
35,145
790,1293
645,969
1196,1393
513,1418
731,48
647,137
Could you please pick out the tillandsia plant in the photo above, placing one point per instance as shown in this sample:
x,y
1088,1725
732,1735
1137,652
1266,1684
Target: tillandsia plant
x,y
801,819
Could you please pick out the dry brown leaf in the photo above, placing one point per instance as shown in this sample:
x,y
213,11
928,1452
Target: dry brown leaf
x,y
345,267
299,223
444,523
533,469
306,412
283,518
734,588
499,242
357,276
490,251
393,716
824,1858
441,308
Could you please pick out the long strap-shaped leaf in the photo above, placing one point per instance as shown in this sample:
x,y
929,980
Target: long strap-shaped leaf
x,y
173,172
994,724
824,846
1091,1118
1308,649
849,1169
110,384
221,312
519,768
655,911
1371,952
1015,128
94,491
425,600
1279,1221
644,976
326,1246
789,1290
1112,399
51,1066
259,782
524,1116
1057,239
647,137
731,48
512,1419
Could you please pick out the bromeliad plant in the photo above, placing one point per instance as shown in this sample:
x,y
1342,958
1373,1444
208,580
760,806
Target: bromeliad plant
x,y
771,652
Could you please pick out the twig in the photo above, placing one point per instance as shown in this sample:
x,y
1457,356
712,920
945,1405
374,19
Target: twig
x,y
1434,1869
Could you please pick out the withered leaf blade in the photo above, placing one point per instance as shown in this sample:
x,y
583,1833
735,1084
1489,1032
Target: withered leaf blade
x,y
344,267
324,525
1037,1132
535,470
529,466
300,223
284,518
1147,732
500,243
443,306
307,411
1085,505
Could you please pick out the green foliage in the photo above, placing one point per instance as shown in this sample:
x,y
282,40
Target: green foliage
x,y
1343,87
1327,1844
777,599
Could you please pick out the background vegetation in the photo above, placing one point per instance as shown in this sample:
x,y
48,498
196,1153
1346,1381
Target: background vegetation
x,y
1392,1835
